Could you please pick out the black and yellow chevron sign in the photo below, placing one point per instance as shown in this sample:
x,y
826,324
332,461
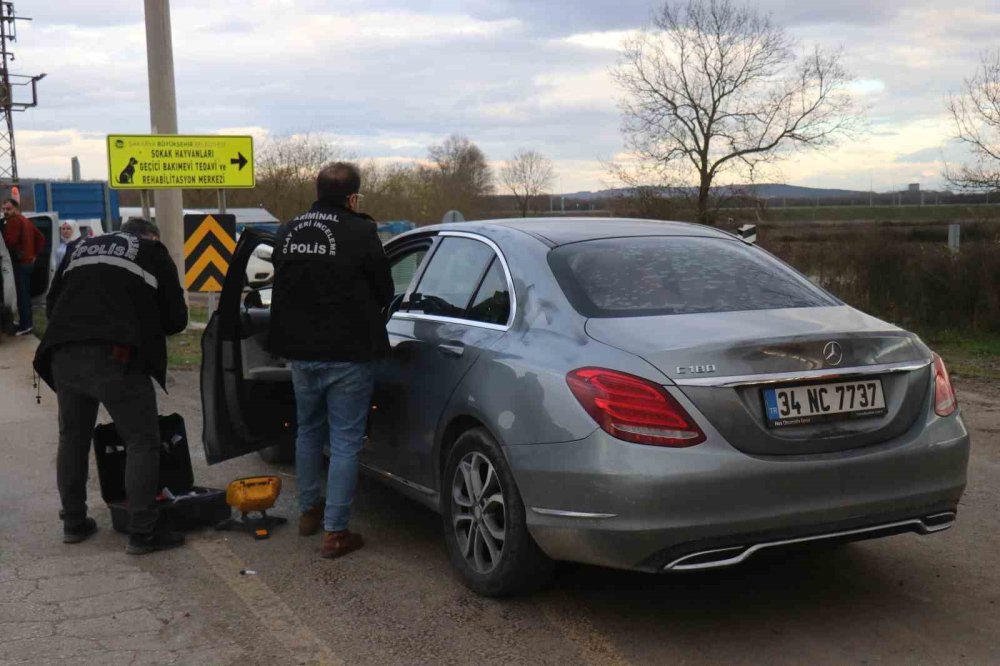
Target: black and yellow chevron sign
x,y
209,241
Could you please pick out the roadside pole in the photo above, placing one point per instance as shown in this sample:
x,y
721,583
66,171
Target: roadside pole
x,y
213,297
163,120
144,198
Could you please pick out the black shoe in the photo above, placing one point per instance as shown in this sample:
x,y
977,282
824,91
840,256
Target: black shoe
x,y
141,544
24,331
80,531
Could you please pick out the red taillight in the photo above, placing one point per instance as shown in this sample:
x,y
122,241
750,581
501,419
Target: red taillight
x,y
945,402
633,409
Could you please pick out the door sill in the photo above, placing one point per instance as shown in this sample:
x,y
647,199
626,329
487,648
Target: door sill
x,y
427,496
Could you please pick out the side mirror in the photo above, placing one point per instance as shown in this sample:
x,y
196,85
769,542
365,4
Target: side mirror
x,y
264,253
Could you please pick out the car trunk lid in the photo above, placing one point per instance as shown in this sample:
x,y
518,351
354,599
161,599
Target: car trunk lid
x,y
723,362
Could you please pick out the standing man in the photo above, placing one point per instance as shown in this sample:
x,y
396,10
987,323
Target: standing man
x,y
24,241
332,286
112,303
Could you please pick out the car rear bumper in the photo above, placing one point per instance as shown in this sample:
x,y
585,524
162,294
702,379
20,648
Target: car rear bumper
x,y
603,501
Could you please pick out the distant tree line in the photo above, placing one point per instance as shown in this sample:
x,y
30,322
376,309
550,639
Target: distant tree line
x,y
455,175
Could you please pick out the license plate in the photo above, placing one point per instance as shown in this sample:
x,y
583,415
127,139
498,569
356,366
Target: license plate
x,y
802,405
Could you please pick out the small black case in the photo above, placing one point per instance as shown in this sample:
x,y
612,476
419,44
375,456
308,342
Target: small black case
x,y
206,508
175,459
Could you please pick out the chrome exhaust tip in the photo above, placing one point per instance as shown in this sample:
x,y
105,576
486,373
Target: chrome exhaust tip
x,y
718,558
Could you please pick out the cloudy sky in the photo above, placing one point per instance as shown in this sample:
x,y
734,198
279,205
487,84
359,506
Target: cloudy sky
x,y
388,77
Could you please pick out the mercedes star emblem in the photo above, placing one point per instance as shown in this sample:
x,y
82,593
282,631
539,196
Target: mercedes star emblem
x,y
832,353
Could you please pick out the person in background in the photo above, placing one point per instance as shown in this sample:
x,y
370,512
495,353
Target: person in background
x,y
332,285
24,241
68,232
113,301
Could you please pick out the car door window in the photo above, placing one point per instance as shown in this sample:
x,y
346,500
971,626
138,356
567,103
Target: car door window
x,y
451,278
491,304
404,267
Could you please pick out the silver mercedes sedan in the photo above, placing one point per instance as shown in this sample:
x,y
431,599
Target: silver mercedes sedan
x,y
645,395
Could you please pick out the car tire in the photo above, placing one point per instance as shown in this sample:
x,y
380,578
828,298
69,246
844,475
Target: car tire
x,y
278,453
484,521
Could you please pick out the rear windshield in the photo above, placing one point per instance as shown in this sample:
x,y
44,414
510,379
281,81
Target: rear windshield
x,y
636,277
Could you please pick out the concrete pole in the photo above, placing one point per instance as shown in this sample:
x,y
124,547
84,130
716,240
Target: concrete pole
x,y
163,119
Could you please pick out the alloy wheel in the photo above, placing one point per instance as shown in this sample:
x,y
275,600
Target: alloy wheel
x,y
478,513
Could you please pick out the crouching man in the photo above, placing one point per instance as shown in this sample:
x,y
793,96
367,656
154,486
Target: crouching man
x,y
113,301
332,285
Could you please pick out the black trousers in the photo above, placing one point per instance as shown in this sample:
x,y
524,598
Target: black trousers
x,y
86,376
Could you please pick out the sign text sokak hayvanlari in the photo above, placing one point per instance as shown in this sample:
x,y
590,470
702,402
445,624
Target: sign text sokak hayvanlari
x,y
183,152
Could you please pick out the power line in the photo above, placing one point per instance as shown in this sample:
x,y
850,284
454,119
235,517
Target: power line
x,y
8,84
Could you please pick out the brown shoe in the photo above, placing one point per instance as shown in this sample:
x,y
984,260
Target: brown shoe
x,y
338,544
310,521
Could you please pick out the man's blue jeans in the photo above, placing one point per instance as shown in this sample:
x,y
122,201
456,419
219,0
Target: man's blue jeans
x,y
332,401
22,283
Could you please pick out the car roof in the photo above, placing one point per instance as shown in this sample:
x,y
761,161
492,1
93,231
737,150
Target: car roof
x,y
555,231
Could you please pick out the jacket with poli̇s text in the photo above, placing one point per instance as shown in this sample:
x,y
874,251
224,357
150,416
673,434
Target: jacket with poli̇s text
x,y
332,285
23,238
119,289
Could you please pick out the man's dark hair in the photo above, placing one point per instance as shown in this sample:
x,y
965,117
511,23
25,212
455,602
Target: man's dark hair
x,y
13,202
140,227
336,182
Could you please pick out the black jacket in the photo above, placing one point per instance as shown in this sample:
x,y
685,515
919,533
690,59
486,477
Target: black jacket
x,y
115,288
331,287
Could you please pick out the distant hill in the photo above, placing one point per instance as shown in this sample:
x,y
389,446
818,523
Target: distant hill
x,y
764,191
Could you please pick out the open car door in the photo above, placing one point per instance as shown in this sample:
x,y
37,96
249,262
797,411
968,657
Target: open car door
x,y
247,400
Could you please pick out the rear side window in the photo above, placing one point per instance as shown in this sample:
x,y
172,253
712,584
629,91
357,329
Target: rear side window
x,y
491,304
451,278
635,277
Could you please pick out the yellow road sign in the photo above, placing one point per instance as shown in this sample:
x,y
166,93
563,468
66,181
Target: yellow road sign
x,y
161,161
209,241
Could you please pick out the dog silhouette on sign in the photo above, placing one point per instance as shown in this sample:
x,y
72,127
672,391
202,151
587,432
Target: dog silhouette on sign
x,y
128,173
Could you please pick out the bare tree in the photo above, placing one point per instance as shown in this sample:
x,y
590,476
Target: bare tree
x,y
286,171
976,113
286,168
398,191
526,175
461,175
639,189
456,175
712,87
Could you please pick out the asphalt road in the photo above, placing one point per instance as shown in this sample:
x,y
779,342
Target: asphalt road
x,y
902,600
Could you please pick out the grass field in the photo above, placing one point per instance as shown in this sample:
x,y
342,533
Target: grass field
x,y
943,213
977,357
184,350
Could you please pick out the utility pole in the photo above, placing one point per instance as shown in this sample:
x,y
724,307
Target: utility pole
x,y
8,154
163,120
